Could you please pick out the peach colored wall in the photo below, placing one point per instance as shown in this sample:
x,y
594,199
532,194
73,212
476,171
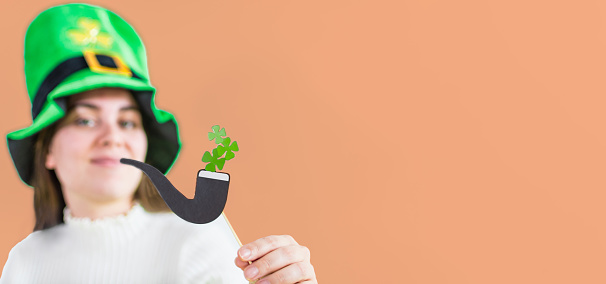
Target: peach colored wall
x,y
402,141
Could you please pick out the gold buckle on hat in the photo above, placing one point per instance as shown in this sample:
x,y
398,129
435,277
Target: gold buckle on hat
x,y
93,63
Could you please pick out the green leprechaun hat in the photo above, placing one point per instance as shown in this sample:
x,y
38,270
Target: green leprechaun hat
x,y
73,48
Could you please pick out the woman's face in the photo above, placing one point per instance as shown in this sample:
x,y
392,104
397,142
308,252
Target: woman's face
x,y
103,126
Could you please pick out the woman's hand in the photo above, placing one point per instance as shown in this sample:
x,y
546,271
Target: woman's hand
x,y
276,259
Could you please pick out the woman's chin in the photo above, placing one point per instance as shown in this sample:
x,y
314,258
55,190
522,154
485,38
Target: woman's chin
x,y
114,175
112,187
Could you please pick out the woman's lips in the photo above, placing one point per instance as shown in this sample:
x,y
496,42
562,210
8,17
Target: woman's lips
x,y
105,162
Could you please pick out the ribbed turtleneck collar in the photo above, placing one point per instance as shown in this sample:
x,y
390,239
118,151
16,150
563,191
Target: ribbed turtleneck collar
x,y
133,218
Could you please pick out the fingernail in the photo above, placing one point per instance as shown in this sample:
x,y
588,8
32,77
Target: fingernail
x,y
251,272
245,254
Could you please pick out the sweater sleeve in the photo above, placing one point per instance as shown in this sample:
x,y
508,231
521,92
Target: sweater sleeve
x,y
17,269
11,268
207,255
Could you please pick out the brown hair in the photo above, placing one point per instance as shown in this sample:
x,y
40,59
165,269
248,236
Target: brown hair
x,y
48,197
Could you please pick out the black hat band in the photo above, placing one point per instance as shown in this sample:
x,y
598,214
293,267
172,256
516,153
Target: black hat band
x,y
90,60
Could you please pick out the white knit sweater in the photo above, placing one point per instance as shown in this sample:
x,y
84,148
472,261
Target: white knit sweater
x,y
139,247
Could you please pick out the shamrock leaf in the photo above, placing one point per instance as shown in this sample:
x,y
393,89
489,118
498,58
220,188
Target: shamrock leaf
x,y
227,148
216,134
213,160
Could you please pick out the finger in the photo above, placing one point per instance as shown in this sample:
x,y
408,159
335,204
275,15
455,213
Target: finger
x,y
275,260
296,272
241,263
262,246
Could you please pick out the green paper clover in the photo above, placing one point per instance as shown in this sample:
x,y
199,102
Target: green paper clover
x,y
216,134
227,148
213,160
216,160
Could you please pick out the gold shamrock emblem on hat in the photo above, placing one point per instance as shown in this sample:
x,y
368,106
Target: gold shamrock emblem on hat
x,y
89,34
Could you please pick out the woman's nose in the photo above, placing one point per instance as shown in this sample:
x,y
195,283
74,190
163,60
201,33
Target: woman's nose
x,y
111,135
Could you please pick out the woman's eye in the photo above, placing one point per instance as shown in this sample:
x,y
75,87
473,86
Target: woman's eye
x,y
128,124
85,122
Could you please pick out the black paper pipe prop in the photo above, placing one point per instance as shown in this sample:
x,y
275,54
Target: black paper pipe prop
x,y
208,203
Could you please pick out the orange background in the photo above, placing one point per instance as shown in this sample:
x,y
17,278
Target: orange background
x,y
401,141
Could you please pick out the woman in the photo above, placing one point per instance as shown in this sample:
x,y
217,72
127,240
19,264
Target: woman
x,y
92,104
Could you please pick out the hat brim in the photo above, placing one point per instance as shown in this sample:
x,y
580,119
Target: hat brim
x,y
161,126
